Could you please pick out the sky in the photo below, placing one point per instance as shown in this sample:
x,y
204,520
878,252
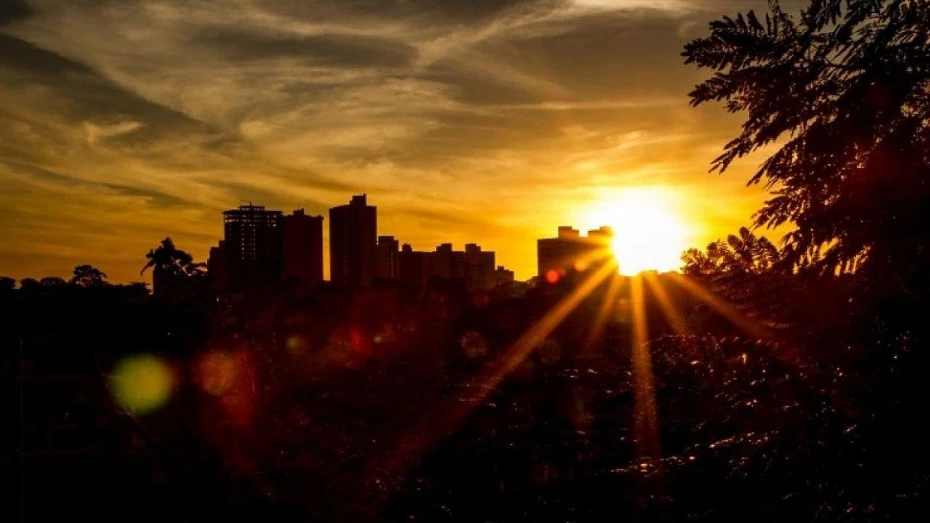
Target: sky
x,y
124,121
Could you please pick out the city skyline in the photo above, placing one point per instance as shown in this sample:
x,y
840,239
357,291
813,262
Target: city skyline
x,y
263,248
130,124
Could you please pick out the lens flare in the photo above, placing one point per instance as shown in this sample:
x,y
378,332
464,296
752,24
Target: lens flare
x,y
141,384
553,276
217,372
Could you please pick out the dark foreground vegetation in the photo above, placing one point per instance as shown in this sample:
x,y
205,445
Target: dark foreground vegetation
x,y
764,384
386,405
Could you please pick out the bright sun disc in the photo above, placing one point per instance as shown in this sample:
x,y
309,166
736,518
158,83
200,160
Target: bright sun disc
x,y
647,233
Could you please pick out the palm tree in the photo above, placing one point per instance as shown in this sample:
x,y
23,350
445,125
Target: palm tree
x,y
168,263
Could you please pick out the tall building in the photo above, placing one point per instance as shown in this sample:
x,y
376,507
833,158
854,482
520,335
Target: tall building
x,y
303,249
386,258
571,251
253,245
444,264
478,267
218,266
353,231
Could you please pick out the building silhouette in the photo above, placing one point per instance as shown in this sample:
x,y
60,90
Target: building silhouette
x,y
303,250
263,247
473,266
218,266
252,247
570,251
353,231
502,276
477,267
414,268
386,254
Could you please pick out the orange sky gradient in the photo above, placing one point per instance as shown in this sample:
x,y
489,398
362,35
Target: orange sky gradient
x,y
489,122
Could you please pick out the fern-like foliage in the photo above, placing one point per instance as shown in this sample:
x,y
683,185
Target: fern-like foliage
x,y
745,270
843,92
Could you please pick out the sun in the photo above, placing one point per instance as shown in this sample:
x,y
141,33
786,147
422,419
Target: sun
x,y
648,234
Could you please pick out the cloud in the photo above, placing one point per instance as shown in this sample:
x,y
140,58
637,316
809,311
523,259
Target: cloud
x,y
13,10
161,113
97,131
335,49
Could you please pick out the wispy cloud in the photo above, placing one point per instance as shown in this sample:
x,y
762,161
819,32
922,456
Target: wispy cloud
x,y
152,116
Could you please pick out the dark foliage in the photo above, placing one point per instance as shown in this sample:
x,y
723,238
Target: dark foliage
x,y
88,276
174,271
843,90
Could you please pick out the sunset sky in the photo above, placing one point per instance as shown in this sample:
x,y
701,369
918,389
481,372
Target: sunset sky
x,y
123,122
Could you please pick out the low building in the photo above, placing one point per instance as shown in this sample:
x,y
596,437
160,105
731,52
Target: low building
x,y
570,251
502,276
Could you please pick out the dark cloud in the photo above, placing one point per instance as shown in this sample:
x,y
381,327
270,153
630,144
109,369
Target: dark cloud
x,y
13,10
448,12
82,94
592,58
155,198
338,50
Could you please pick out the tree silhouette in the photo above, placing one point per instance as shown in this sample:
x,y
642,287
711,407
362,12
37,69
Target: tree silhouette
x,y
88,276
744,253
744,269
51,281
7,284
845,92
168,263
27,284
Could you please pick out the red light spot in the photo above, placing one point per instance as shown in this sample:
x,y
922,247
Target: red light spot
x,y
359,341
553,276
229,376
479,299
217,372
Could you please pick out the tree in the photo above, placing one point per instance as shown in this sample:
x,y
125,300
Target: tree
x,y
7,284
168,263
27,284
51,281
88,276
843,91
742,254
745,271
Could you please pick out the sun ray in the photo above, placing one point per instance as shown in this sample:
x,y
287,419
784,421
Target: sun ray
x,y
608,306
719,305
433,428
647,441
646,416
674,316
